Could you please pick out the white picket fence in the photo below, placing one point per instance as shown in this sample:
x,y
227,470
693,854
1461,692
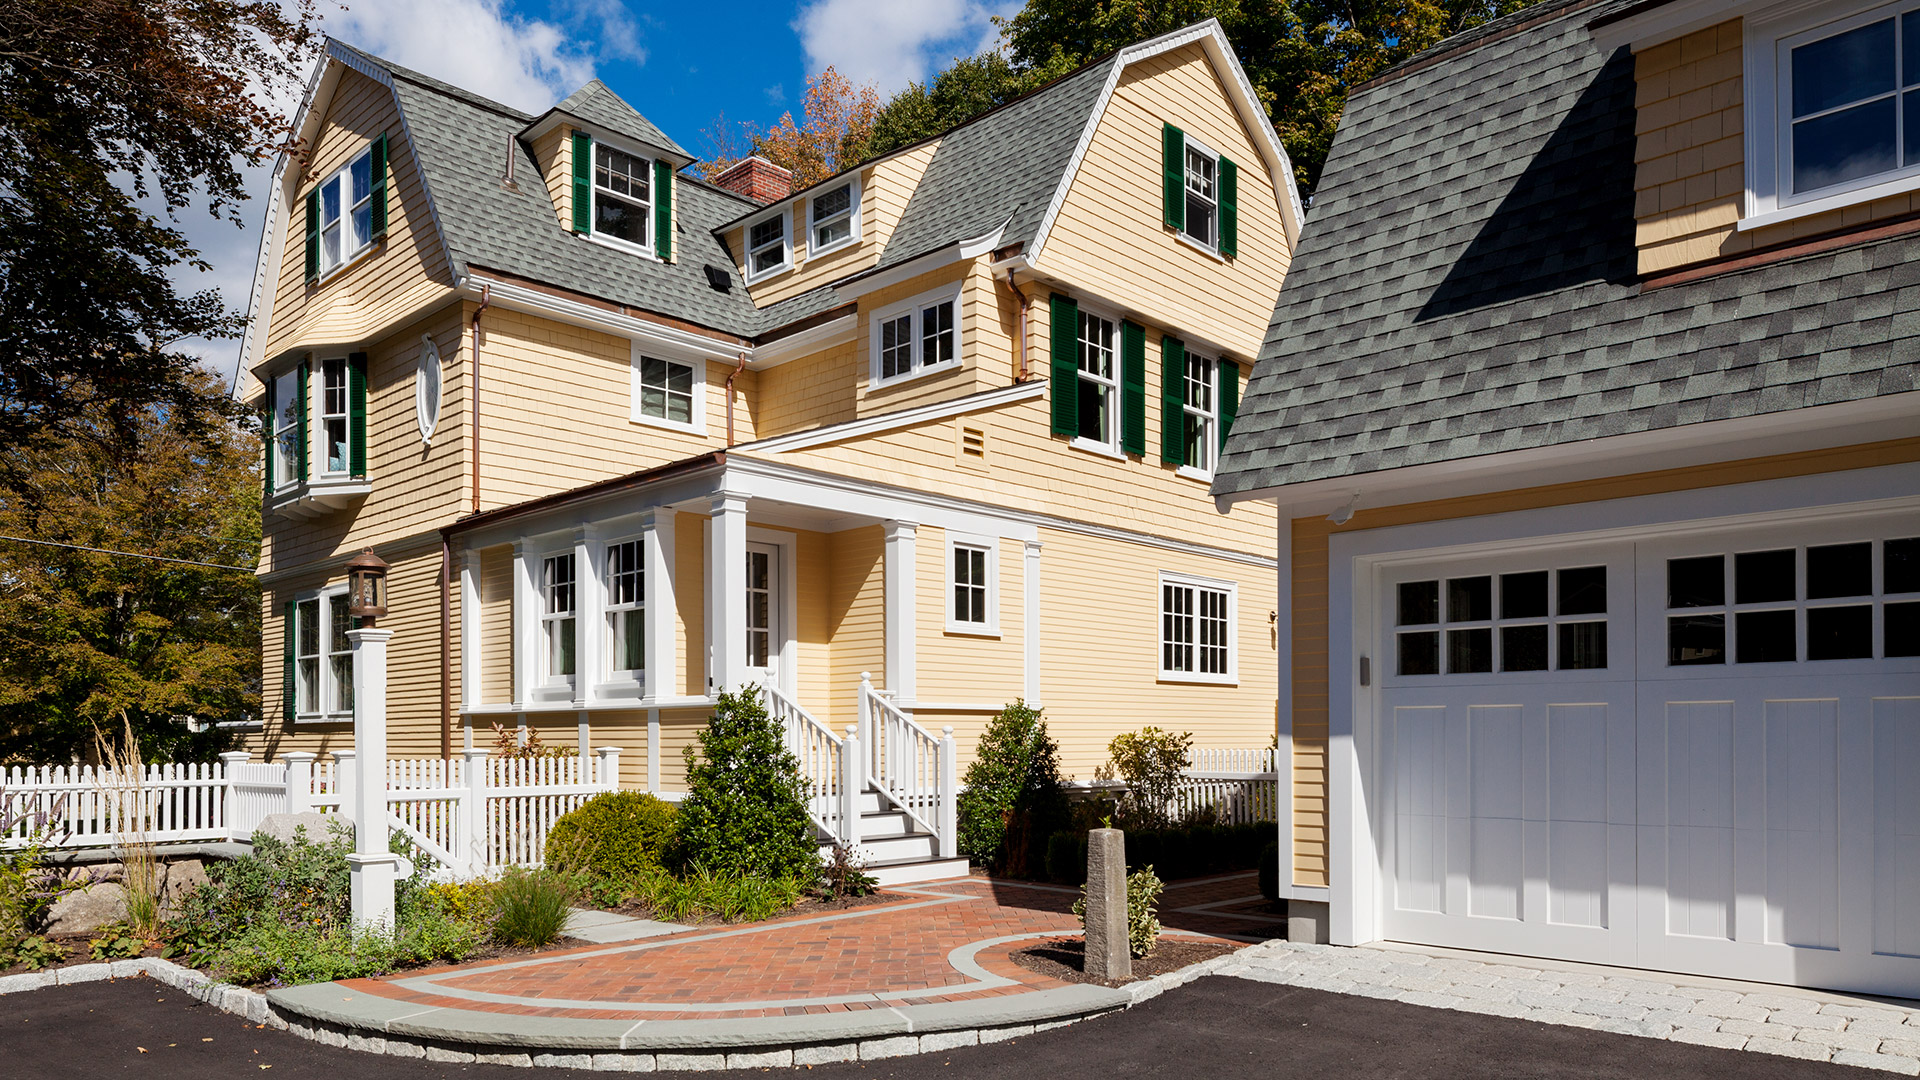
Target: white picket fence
x,y
1239,786
470,814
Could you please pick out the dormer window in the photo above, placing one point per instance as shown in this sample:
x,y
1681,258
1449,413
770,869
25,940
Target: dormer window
x,y
347,211
622,195
767,249
1203,196
835,214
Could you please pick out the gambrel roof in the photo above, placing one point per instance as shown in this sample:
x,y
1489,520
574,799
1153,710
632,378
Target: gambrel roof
x,y
1467,283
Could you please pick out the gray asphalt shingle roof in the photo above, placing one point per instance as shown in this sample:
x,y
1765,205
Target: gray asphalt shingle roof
x,y
1466,284
598,105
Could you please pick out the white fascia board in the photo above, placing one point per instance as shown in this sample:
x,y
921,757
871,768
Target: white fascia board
x,y
892,421
805,343
1213,39
867,281
684,343
611,509
1668,21
260,301
1819,427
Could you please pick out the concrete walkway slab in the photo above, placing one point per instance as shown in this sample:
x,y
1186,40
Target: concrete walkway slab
x,y
607,927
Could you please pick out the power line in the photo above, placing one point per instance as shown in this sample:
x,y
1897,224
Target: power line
x,y
128,554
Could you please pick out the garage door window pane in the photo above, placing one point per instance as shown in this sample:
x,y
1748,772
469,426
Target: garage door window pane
x,y
1419,603
1583,591
1697,639
1903,629
1764,637
1764,577
1839,570
1583,646
1470,600
1839,633
1524,596
1523,648
1470,650
1902,570
1420,653
1698,582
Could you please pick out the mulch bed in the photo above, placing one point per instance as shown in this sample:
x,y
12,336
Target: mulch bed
x,y
1066,959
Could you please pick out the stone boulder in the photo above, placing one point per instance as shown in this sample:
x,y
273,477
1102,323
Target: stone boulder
x,y
282,826
85,910
182,878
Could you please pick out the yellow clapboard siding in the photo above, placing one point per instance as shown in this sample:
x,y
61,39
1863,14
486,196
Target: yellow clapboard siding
x,y
554,153
959,667
856,616
690,601
496,625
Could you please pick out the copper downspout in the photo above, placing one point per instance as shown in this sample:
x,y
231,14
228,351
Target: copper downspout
x,y
1020,372
730,377
473,380
446,649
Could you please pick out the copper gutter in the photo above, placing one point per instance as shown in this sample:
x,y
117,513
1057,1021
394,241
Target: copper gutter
x,y
730,377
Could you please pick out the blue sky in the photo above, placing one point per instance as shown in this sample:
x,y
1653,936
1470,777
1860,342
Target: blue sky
x,y
682,64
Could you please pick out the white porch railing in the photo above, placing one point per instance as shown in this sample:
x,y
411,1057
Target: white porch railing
x,y
824,760
909,766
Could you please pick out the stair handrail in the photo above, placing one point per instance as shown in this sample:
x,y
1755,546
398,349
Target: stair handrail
x,y
817,749
908,765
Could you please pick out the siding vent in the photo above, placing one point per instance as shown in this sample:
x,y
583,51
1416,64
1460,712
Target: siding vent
x,y
973,446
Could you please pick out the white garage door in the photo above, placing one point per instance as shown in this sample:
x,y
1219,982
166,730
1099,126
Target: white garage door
x,y
1700,753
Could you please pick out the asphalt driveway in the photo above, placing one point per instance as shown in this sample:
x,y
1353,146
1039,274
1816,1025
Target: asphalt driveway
x,y
1215,1027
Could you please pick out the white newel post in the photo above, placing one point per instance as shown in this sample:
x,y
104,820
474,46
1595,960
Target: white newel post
x,y
299,781
867,722
372,868
346,778
949,790
473,809
609,776
852,782
230,763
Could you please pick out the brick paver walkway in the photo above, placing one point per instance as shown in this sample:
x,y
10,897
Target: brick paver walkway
x,y
946,941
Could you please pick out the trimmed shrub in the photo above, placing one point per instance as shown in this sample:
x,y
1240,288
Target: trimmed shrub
x,y
620,835
1151,762
1270,870
745,814
1012,797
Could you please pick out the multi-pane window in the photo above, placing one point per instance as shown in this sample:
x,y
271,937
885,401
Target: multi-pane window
x,y
767,245
666,390
1855,100
557,607
970,594
1201,409
1195,630
322,657
1099,384
1819,602
833,217
626,607
333,414
346,212
339,654
306,657
622,195
759,607
1527,620
286,429
1203,195
922,336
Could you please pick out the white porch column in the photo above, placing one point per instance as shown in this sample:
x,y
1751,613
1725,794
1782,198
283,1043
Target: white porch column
x,y
526,622
1031,581
470,635
902,620
727,587
589,613
662,614
372,868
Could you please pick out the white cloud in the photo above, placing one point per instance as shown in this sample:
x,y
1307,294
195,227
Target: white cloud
x,y
892,43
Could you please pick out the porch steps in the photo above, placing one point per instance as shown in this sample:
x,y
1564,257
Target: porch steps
x,y
897,851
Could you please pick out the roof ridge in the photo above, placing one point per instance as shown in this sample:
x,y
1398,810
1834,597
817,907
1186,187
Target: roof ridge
x,y
428,82
1475,37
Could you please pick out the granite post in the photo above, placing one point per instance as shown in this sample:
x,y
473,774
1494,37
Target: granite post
x,y
1109,956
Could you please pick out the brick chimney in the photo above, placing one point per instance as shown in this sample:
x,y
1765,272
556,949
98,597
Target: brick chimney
x,y
758,179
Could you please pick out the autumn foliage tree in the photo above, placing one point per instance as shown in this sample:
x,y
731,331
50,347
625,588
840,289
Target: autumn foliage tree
x,y
834,133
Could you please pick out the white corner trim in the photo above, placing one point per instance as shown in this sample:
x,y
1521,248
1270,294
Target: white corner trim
x,y
1030,578
1214,39
891,421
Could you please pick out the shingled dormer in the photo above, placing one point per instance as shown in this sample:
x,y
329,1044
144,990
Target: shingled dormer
x,y
609,170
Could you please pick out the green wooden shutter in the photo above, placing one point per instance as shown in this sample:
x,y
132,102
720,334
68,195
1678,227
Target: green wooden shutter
x,y
289,688
266,449
1173,401
1066,366
1229,212
300,426
1229,398
582,182
663,210
1173,163
378,205
1133,389
357,413
313,234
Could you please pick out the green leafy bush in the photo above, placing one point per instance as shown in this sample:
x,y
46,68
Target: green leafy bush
x,y
530,907
1183,852
1151,762
745,814
1143,901
1270,870
616,835
116,942
279,954
1012,796
32,953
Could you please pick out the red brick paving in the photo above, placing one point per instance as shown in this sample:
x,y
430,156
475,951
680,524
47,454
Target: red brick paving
x,y
871,953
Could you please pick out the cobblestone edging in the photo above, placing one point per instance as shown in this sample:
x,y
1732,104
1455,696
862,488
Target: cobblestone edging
x,y
1792,1023
257,1009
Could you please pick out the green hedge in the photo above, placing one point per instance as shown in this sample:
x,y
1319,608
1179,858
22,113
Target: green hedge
x,y
620,835
1183,852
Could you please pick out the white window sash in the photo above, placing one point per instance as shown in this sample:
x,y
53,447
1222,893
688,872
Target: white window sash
x,y
908,354
1109,384
784,244
644,245
959,576
1197,630
850,215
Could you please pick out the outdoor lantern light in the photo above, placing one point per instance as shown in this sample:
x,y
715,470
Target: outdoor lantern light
x,y
367,586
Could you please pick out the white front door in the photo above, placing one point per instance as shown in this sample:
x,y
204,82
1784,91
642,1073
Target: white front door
x,y
763,646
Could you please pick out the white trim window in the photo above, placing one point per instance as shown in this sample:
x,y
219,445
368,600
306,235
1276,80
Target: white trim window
x,y
1834,115
286,433
323,657
917,336
1196,630
769,246
973,584
666,391
559,629
1099,384
1200,408
346,213
622,196
334,421
627,610
1202,223
835,216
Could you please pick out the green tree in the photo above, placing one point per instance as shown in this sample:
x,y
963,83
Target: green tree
x,y
87,637
973,85
104,105
745,813
1012,799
